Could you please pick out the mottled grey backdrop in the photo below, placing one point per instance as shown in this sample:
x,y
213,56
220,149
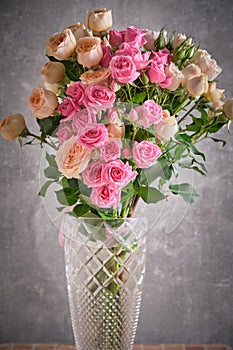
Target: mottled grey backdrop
x,y
188,295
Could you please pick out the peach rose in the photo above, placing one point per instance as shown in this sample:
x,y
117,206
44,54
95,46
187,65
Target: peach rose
x,y
89,51
52,72
61,45
207,64
52,87
96,77
79,30
189,72
12,126
99,20
213,94
197,86
228,109
72,158
42,102
176,76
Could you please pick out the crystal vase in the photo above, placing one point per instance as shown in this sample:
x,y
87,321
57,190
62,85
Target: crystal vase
x,y
105,266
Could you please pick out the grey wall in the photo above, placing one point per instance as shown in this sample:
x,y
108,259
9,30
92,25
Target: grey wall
x,y
189,282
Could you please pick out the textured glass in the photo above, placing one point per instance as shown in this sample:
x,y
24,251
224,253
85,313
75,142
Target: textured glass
x,y
105,268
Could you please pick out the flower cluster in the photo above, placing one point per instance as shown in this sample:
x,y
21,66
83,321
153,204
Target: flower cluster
x,y
122,109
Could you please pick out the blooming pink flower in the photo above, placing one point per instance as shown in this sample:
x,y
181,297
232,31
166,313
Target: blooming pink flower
x,y
96,95
93,135
107,56
145,153
105,196
165,55
147,114
123,69
135,36
92,175
68,108
126,153
140,60
110,150
76,91
82,118
156,72
116,38
64,132
117,173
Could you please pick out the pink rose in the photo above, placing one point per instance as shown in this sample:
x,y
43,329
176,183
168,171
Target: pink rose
x,y
77,91
147,114
93,135
140,60
165,55
107,56
145,153
110,150
96,95
123,69
135,36
117,173
92,175
68,107
156,71
116,38
64,132
105,196
82,118
126,153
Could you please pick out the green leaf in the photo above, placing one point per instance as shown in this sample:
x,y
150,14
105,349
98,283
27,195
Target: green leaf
x,y
162,168
185,190
51,160
179,151
44,188
198,170
148,194
218,140
138,98
67,196
186,162
49,125
81,209
52,173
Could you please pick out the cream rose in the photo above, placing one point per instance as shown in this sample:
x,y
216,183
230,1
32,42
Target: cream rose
x,y
213,94
79,30
52,72
42,102
179,39
228,109
176,76
166,128
197,86
189,72
217,105
207,64
61,45
12,126
99,20
96,77
89,51
150,37
72,158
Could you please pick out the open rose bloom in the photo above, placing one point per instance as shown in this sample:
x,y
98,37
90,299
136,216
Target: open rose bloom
x,y
123,111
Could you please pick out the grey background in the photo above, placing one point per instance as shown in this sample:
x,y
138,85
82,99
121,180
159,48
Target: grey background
x,y
189,283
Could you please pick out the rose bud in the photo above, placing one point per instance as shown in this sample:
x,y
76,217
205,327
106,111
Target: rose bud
x,y
213,94
197,85
99,20
207,64
89,51
189,72
228,109
12,126
116,130
52,72
96,77
42,102
217,105
61,45
179,39
79,30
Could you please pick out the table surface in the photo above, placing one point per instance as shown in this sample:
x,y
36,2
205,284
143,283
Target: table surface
x,y
56,346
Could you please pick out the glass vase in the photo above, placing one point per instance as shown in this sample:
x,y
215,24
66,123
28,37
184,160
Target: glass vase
x,y
105,267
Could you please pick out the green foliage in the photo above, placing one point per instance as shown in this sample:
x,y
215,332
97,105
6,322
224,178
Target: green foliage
x,y
185,190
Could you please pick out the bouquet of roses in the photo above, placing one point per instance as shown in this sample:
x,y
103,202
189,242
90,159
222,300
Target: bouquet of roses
x,y
122,110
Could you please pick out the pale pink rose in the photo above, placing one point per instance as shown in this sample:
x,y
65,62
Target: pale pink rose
x,y
147,114
176,76
98,96
228,109
166,128
214,94
105,196
68,107
126,153
135,36
99,20
110,150
89,51
42,102
92,175
145,153
99,76
84,117
107,56
77,91
64,132
72,158
123,69
207,64
61,45
189,72
150,37
116,38
117,173
197,85
93,135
